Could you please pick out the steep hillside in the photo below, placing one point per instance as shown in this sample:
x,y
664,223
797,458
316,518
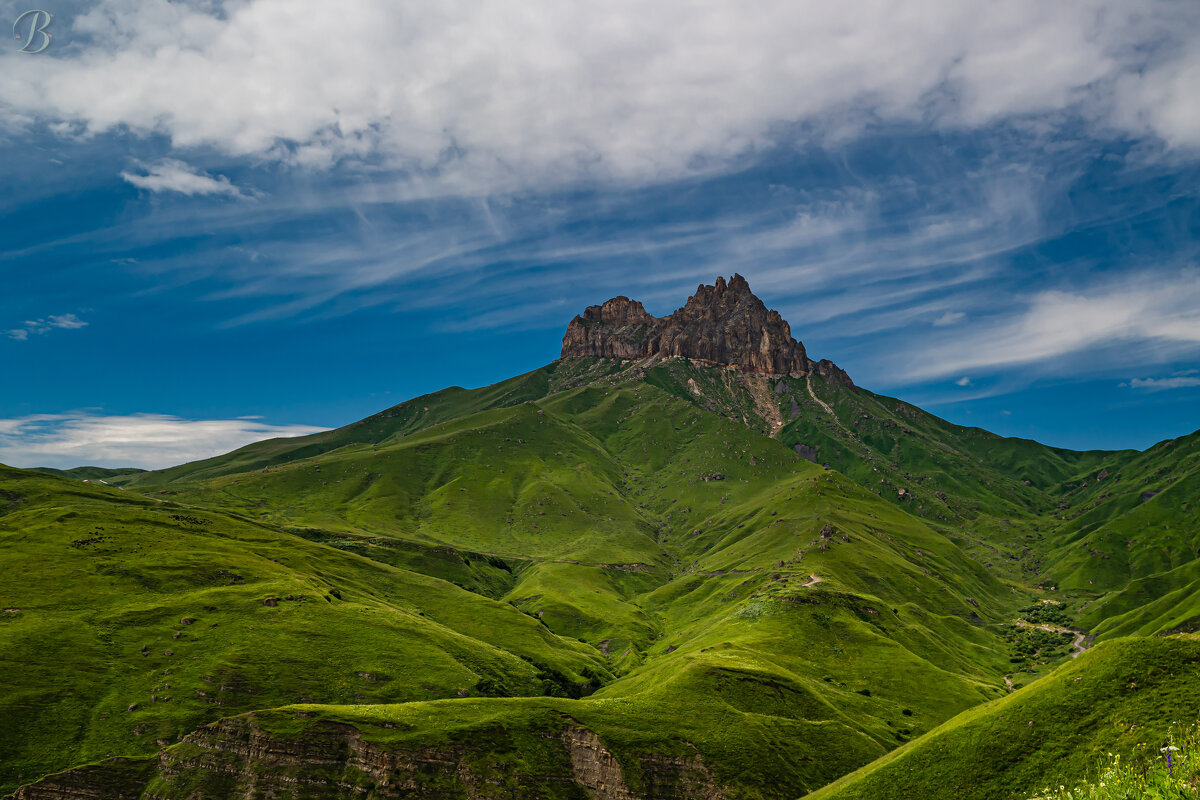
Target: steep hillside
x,y
996,497
1121,695
1132,521
400,420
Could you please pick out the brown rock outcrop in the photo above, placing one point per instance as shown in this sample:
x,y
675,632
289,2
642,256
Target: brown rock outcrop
x,y
832,372
723,324
620,328
235,759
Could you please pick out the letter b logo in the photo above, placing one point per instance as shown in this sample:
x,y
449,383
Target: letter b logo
x,y
35,22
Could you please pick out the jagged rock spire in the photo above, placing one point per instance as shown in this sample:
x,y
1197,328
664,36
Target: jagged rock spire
x,y
724,323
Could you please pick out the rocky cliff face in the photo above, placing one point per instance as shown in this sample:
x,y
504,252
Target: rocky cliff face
x,y
724,324
234,759
620,328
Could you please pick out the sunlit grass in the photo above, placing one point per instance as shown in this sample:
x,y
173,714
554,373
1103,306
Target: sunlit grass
x,y
1172,771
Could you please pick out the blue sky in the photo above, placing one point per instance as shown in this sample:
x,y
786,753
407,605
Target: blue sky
x,y
224,221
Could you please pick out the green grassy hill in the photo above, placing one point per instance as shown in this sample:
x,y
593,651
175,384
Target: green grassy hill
x,y
405,418
646,553
89,474
129,621
1122,695
1119,698
1130,538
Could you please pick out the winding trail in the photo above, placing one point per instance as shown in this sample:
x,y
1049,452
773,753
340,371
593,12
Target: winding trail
x,y
1077,644
813,579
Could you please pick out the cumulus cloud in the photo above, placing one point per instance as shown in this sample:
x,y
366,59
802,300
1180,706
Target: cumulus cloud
x,y
151,441
170,175
963,381
35,327
530,91
1147,320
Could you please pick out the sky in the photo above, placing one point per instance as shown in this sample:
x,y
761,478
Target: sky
x,y
222,221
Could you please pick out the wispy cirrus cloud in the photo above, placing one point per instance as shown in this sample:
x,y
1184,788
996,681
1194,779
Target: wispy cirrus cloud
x,y
36,327
171,175
150,441
1135,319
949,318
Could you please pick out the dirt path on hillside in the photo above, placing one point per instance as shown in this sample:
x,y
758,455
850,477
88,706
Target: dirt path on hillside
x,y
1077,643
813,580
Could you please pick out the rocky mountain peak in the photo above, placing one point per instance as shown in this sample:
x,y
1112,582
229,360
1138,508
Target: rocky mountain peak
x,y
725,324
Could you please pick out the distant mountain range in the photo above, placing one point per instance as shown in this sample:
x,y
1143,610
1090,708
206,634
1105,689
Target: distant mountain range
x,y
683,561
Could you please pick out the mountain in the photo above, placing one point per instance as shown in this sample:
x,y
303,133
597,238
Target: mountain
x,y
683,560
575,525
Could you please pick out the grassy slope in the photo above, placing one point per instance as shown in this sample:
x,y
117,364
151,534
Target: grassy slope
x,y
1079,522
871,436
96,585
405,418
1121,694
992,495
1134,535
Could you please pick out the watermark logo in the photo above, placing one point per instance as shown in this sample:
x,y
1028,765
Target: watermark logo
x,y
30,28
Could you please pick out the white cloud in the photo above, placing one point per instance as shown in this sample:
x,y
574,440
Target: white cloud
x,y
32,327
1145,318
170,175
66,321
949,318
509,92
151,441
963,381
1162,99
1160,384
